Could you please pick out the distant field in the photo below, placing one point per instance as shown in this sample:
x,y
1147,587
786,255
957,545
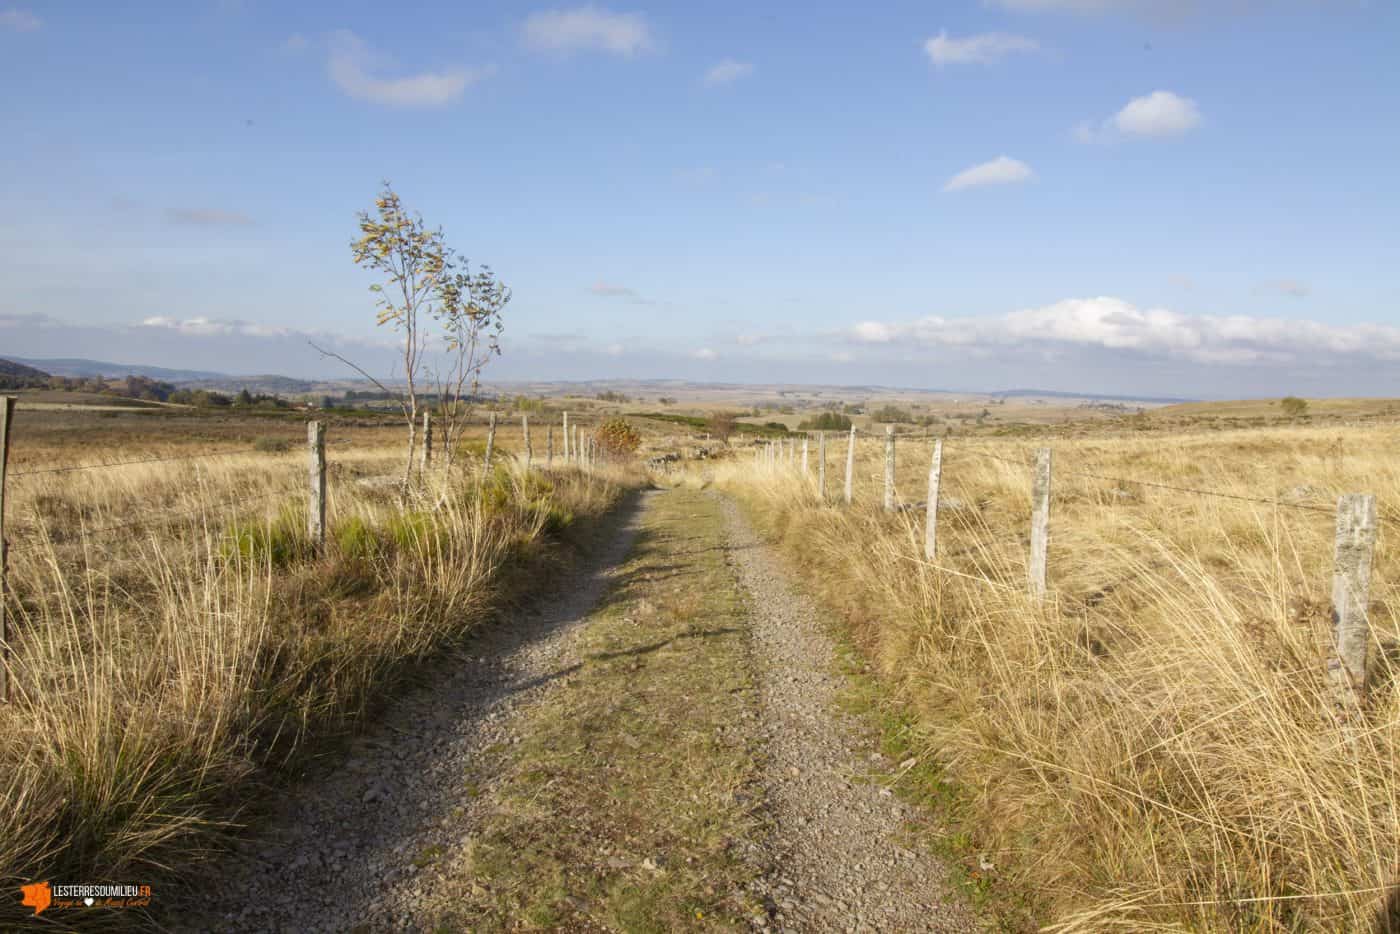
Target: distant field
x,y
1270,408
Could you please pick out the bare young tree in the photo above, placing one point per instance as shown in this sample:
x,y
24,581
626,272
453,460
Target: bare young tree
x,y
415,262
469,310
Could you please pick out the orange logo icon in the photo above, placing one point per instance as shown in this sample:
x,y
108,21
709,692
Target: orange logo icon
x,y
36,896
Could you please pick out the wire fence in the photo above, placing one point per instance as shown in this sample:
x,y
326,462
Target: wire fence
x,y
1355,515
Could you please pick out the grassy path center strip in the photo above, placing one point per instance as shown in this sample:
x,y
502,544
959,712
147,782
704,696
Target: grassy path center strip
x,y
632,797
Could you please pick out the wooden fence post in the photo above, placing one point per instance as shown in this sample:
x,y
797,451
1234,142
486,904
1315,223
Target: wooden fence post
x,y
806,472
889,468
1040,522
1351,593
566,437
821,465
490,446
549,446
316,508
427,440
850,464
525,430
7,418
935,473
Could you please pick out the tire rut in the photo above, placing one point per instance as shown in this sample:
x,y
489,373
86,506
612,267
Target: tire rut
x,y
842,856
354,846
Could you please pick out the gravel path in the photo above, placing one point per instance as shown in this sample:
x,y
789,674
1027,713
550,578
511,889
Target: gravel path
x,y
362,845
838,850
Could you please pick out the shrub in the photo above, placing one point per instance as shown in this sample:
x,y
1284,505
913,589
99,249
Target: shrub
x,y
889,413
280,540
720,424
1294,407
356,538
827,421
269,445
618,439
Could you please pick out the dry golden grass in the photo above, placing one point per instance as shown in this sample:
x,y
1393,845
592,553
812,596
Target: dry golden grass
x,y
175,639
1155,747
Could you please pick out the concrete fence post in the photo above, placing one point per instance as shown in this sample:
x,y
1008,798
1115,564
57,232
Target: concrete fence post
x,y
1040,522
806,472
7,418
850,465
1351,595
525,430
935,473
316,505
821,465
427,461
566,437
889,468
490,445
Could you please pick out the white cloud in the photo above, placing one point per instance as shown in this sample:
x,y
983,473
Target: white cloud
x,y
215,327
207,217
704,353
19,20
588,27
350,64
727,72
1002,170
984,49
1156,115
1112,324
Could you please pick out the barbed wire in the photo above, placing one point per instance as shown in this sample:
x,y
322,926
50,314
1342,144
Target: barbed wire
x,y
145,460
151,519
1215,493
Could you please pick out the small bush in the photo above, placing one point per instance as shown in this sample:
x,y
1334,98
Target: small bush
x,y
269,445
356,538
281,540
827,421
889,413
618,439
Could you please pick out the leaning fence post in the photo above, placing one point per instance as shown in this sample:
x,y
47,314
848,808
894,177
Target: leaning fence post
x,y
850,464
427,440
935,473
1040,522
821,465
889,468
1351,594
7,412
316,508
490,445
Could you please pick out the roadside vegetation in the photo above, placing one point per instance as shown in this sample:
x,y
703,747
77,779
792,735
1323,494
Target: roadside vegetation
x,y
176,639
1156,746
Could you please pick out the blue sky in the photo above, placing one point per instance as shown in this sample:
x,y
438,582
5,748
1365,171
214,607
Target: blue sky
x,y
1104,195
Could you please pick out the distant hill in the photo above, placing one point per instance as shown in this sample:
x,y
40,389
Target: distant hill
x,y
14,375
86,369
